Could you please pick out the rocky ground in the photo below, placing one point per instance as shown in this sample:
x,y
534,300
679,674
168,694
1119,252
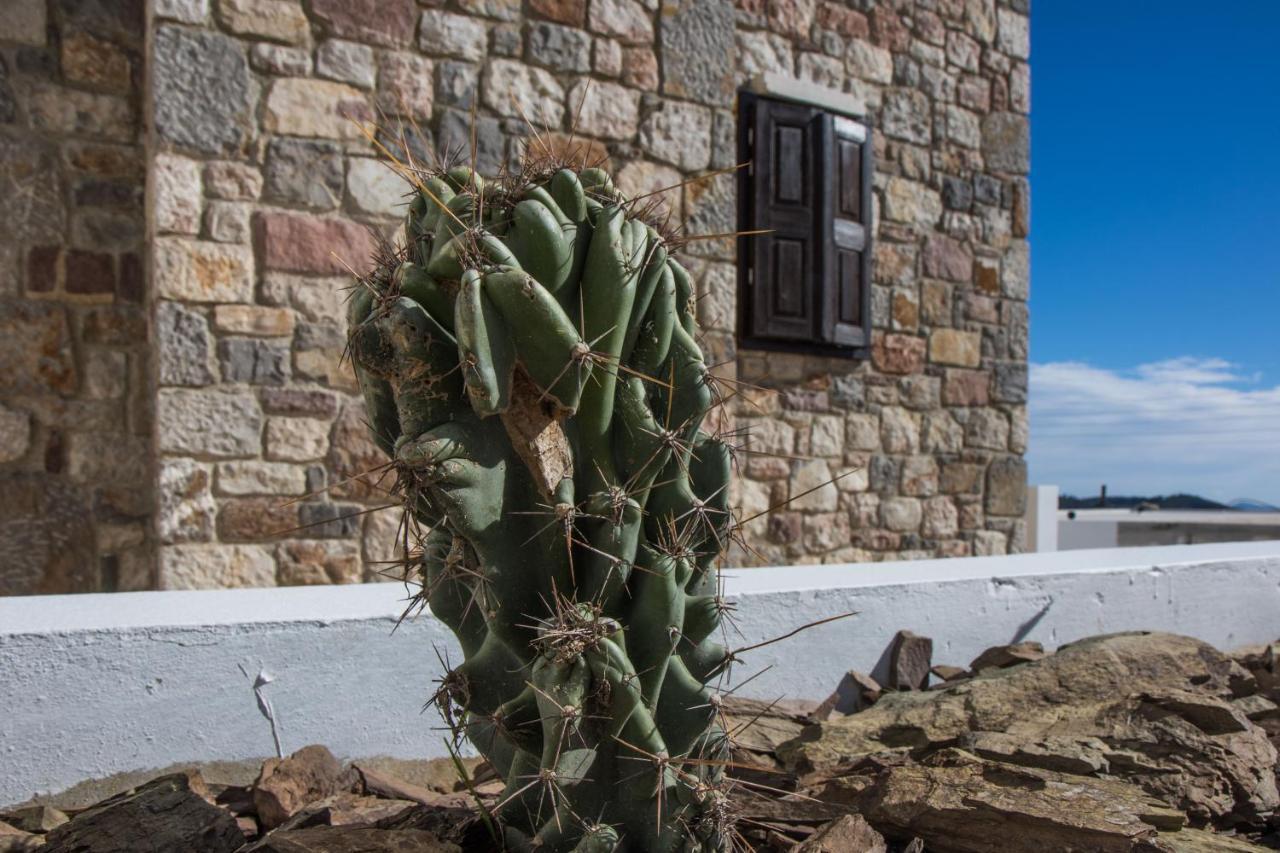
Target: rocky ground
x,y
1131,742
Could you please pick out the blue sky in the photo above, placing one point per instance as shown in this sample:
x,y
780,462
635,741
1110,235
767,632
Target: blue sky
x,y
1155,306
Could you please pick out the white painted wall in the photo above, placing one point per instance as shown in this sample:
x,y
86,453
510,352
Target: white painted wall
x,y
92,685
1042,519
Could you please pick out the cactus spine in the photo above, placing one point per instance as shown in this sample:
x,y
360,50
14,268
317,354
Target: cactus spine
x,y
529,363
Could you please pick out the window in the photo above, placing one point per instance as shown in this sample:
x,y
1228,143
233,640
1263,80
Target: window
x,y
806,285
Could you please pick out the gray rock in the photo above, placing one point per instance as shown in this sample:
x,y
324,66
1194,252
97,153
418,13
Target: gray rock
x,y
280,60
957,194
304,171
46,541
202,93
1006,142
347,62
986,189
562,48
182,344
457,83
696,45
330,521
209,422
455,135
906,116
255,361
1011,382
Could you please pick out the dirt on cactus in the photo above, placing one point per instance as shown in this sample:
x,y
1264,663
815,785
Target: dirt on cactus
x,y
1131,742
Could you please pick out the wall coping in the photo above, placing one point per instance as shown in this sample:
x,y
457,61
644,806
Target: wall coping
x,y
54,614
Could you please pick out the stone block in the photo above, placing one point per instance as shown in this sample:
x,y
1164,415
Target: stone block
x,y
866,61
113,458
947,258
940,520
901,515
256,519
640,177
280,60
388,23
253,320
1006,492
95,62
941,433
216,566
405,85
274,20
457,83
347,62
955,347
305,402
1010,383
519,91
899,430
226,179
919,476
290,242
24,22
907,116
255,477
570,12
15,434
987,429
626,20
227,221
966,388
678,133
199,271
763,53
382,545
448,34
315,299
898,354
202,96
1015,271
316,108
297,439
990,543
208,423
1006,143
73,112
456,135
308,562
305,172
186,509
35,349
254,361
821,70
911,202
375,188
557,47
862,431
89,273
696,42
959,478
186,11
1014,34
353,457
330,521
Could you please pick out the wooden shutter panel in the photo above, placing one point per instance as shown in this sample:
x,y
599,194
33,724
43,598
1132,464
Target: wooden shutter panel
x,y
784,303
846,228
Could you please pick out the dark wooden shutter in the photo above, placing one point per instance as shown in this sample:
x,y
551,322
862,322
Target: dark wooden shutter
x,y
787,139
846,250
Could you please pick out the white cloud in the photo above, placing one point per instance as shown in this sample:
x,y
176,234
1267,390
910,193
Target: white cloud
x,y
1181,425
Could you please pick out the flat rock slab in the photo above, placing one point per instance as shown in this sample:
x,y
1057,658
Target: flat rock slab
x,y
354,839
1153,709
166,814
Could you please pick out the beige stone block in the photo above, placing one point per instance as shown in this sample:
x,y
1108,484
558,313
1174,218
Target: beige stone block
x,y
259,320
901,514
208,422
375,188
216,566
318,561
176,182
298,106
297,439
316,298
275,20
642,177
862,431
899,430
198,271
812,489
186,509
383,545
955,346
15,434
23,21
517,90
256,477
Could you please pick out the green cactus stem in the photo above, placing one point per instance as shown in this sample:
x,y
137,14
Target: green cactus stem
x,y
529,364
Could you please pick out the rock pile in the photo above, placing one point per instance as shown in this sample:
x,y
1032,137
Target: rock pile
x,y
1142,743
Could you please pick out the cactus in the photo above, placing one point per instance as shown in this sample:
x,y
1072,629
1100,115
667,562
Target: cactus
x,y
528,361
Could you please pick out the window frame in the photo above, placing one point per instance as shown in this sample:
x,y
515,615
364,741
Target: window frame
x,y
825,292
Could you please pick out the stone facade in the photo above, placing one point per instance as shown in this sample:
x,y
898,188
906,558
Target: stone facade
x,y
263,191
76,489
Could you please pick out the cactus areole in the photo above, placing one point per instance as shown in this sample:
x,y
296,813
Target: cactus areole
x,y
529,363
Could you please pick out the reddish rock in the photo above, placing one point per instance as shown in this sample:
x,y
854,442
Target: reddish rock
x,y
792,18
299,402
910,660
899,354
847,22
965,388
640,68
571,12
385,22
785,527
42,269
947,259
284,786
849,834
856,691
256,519
307,244
90,272
114,325
887,29
999,657
35,349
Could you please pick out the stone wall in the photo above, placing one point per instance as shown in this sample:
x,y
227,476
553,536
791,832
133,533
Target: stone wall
x,y
75,410
264,191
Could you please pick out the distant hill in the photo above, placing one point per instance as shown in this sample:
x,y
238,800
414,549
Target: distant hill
x,y
1178,501
1251,505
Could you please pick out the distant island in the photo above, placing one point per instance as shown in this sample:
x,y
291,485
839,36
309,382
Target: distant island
x,y
1178,501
